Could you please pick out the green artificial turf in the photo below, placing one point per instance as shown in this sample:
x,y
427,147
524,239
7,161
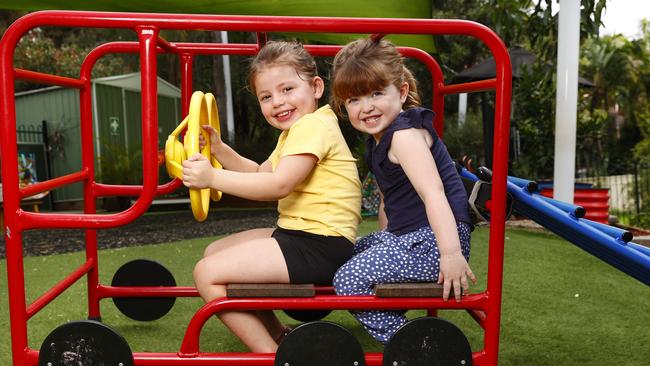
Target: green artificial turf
x,y
561,306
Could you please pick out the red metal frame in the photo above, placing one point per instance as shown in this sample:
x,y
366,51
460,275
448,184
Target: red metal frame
x,y
484,307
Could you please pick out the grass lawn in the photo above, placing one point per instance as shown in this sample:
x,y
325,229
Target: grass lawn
x,y
561,306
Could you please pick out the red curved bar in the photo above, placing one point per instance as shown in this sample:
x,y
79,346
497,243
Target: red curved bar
x,y
42,78
190,344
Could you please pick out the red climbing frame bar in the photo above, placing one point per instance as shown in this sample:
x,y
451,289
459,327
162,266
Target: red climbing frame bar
x,y
42,78
484,307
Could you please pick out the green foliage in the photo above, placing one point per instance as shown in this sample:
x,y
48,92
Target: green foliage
x,y
590,141
641,49
38,52
118,166
642,149
529,24
519,23
642,185
465,139
620,70
534,117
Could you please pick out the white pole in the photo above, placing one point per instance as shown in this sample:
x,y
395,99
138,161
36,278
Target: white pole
x,y
462,108
566,100
230,118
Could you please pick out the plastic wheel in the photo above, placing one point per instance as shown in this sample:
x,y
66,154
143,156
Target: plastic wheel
x,y
306,316
84,342
428,341
143,272
320,344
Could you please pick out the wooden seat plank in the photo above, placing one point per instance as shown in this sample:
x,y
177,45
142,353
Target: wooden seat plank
x,y
270,290
426,289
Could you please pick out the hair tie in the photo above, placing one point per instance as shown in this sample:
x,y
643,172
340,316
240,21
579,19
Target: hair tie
x,y
377,37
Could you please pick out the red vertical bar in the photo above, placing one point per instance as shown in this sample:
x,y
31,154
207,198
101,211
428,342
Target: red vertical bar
x,y
439,107
262,38
500,172
11,197
186,83
149,85
88,164
437,80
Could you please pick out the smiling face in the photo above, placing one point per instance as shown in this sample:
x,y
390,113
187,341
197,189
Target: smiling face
x,y
372,113
285,96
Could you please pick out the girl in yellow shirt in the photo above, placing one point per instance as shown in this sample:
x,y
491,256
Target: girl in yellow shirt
x,y
312,175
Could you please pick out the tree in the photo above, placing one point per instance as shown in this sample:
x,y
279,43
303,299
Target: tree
x,y
529,24
641,50
613,63
60,51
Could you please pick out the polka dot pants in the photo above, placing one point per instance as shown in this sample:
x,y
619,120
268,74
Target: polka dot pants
x,y
382,257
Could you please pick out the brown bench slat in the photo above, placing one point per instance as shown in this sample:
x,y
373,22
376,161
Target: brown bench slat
x,y
270,290
427,289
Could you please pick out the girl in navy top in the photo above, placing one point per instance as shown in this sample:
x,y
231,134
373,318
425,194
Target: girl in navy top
x,y
423,216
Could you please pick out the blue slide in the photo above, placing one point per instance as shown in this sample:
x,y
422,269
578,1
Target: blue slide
x,y
610,244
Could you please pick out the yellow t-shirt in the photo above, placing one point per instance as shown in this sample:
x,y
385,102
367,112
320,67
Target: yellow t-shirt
x,y
328,201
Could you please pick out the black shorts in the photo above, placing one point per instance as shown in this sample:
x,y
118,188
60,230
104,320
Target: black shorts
x,y
312,258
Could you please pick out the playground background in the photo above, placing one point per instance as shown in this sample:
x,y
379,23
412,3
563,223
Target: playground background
x,y
613,137
555,307
561,306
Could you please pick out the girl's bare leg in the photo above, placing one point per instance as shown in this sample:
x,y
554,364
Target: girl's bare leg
x,y
248,257
237,238
272,324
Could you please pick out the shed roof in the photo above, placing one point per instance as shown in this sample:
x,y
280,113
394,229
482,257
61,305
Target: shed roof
x,y
127,81
132,82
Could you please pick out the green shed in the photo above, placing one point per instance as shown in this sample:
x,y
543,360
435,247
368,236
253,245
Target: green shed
x,y
116,124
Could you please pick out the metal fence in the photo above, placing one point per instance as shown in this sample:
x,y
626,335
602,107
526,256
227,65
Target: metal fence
x,y
629,194
32,134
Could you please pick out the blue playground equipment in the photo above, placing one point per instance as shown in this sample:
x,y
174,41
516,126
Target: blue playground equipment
x,y
608,243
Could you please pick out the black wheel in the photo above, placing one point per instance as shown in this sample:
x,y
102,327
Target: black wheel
x,y
320,343
307,316
143,272
85,342
428,341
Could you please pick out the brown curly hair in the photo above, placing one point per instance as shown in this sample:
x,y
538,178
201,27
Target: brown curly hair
x,y
365,65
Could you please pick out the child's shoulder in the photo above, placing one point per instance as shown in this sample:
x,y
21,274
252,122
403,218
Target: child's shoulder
x,y
323,117
419,118
325,113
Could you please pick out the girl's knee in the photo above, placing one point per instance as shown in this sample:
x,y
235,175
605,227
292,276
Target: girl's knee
x,y
206,283
211,248
338,282
201,273
346,282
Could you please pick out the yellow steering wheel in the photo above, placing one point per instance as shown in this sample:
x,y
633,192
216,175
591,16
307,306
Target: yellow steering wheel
x,y
203,111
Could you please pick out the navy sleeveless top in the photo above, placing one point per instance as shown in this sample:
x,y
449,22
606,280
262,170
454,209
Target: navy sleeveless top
x,y
404,208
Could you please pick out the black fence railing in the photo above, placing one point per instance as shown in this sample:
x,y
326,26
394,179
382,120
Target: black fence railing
x,y
32,134
629,193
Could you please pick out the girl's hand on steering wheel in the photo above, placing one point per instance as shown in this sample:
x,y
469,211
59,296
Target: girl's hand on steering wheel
x,y
197,172
215,140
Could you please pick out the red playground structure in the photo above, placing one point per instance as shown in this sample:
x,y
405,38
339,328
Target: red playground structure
x,y
105,345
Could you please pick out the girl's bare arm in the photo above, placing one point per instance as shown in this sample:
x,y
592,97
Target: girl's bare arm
x,y
261,185
410,149
227,156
